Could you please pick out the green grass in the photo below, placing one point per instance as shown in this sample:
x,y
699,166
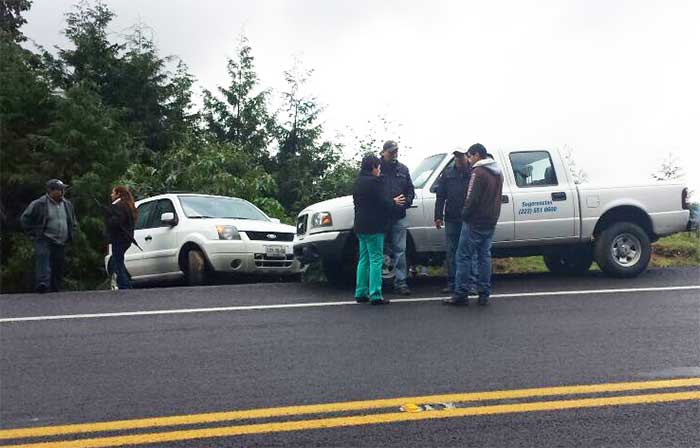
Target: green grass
x,y
679,250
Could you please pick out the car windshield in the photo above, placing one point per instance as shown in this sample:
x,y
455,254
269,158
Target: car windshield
x,y
220,207
422,172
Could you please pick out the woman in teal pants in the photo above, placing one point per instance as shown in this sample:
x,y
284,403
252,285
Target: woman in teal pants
x,y
372,209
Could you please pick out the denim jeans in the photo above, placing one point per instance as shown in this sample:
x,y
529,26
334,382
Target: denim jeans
x,y
49,263
396,239
118,250
369,266
474,249
452,232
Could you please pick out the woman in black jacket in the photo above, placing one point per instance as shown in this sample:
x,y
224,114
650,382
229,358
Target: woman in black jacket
x,y
372,212
120,221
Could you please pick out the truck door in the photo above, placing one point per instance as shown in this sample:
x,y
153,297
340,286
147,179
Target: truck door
x,y
505,228
544,202
420,216
435,239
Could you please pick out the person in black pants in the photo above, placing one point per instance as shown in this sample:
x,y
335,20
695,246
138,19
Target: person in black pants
x,y
450,191
50,222
120,221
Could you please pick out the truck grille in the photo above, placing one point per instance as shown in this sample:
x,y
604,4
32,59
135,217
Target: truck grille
x,y
301,224
270,236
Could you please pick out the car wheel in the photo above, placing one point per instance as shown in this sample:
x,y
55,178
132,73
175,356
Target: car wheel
x,y
573,262
623,250
196,267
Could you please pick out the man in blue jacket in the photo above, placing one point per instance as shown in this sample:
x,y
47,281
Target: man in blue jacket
x,y
50,222
397,181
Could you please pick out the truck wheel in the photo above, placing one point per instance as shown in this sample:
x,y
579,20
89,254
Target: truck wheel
x,y
574,262
623,250
196,267
388,268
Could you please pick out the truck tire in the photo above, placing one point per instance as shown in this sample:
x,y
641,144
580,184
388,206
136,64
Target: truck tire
x,y
388,268
623,250
570,262
196,267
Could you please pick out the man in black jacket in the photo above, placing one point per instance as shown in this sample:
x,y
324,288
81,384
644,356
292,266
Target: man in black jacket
x,y
397,181
50,222
451,189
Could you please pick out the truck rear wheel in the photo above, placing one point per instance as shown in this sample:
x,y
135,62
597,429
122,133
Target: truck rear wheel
x,y
570,262
623,250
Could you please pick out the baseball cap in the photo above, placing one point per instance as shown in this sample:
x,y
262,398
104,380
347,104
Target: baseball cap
x,y
55,184
459,153
390,146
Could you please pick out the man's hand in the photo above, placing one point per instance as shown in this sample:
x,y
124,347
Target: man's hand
x,y
400,200
438,224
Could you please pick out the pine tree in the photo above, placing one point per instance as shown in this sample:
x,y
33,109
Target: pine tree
x,y
242,116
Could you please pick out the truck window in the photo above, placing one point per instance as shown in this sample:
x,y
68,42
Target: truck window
x,y
449,166
533,168
422,172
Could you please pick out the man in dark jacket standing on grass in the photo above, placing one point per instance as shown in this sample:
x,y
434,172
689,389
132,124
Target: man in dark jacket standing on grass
x,y
50,222
450,191
397,181
482,207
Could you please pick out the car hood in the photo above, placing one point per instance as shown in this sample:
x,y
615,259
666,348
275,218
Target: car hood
x,y
330,205
244,225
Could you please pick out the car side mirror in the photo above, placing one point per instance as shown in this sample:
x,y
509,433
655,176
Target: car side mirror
x,y
433,188
275,220
168,218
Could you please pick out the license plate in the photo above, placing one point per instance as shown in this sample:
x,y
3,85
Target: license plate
x,y
276,251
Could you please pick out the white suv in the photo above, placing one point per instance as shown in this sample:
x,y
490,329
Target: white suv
x,y
193,235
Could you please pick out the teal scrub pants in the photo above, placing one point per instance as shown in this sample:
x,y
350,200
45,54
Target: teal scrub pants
x,y
369,266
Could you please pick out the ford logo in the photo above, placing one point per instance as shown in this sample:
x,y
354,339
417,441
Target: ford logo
x,y
271,236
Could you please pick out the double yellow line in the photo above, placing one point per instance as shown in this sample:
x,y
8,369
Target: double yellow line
x,y
390,406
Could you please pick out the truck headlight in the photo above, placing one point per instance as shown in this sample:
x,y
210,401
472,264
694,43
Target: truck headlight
x,y
228,233
321,219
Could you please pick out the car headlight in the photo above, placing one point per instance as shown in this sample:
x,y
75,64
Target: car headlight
x,y
228,233
321,219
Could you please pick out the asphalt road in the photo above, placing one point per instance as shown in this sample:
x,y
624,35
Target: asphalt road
x,y
632,348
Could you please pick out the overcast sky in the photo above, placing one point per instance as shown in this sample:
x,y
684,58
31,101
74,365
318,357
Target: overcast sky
x,y
617,81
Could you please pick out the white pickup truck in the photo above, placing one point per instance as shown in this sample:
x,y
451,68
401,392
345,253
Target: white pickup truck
x,y
543,213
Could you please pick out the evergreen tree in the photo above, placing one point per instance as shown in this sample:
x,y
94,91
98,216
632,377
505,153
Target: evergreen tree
x,y
241,117
302,159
